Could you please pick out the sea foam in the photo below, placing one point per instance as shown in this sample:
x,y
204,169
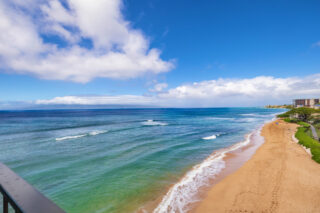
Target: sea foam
x,y
211,137
220,118
70,137
257,115
98,132
153,123
185,192
93,133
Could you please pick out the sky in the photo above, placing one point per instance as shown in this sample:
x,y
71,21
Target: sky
x,y
183,53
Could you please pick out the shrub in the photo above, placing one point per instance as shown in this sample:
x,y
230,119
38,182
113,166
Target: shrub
x,y
289,120
303,124
307,141
285,115
303,113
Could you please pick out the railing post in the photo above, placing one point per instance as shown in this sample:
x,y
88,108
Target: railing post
x,y
21,196
5,204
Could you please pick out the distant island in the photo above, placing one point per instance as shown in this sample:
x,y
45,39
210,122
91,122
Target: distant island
x,y
284,106
313,103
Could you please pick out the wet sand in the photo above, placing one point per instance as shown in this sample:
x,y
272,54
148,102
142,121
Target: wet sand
x,y
233,161
280,177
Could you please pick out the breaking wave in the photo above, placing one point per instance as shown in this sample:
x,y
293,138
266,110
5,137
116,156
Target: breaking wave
x,y
98,132
220,118
185,192
93,133
70,137
211,137
153,123
258,115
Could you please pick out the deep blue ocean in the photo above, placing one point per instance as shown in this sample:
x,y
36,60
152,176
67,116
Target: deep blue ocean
x,y
117,160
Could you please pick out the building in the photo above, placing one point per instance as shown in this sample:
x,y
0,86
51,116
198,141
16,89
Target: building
x,y
312,103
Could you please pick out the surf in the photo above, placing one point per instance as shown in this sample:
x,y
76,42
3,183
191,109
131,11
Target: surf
x,y
93,133
185,192
153,123
211,137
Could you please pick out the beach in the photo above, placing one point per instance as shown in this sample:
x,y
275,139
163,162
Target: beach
x,y
279,177
123,160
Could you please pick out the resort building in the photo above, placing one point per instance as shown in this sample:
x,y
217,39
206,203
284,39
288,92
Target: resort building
x,y
312,103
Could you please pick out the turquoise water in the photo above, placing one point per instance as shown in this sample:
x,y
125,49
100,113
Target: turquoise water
x,y
117,160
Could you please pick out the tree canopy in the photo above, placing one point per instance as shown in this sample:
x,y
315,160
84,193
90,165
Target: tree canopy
x,y
302,113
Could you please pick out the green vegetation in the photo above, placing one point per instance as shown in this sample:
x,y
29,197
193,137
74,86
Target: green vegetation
x,y
289,120
285,106
301,116
307,141
302,113
317,127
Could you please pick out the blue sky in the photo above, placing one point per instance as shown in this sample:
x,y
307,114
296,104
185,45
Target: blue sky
x,y
227,39
166,53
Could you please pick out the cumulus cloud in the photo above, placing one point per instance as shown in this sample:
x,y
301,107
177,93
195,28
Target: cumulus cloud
x,y
112,49
159,87
99,100
256,91
245,92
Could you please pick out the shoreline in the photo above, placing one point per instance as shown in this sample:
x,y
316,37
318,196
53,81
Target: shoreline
x,y
279,177
233,158
233,161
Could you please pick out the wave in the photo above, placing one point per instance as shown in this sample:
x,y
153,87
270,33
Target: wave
x,y
93,133
185,192
220,118
70,137
211,137
98,132
257,115
153,123
247,120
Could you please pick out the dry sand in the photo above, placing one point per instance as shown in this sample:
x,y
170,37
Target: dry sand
x,y
280,177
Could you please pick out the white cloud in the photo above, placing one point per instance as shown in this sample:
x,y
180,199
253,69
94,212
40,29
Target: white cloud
x,y
245,92
118,51
256,91
99,100
18,37
159,87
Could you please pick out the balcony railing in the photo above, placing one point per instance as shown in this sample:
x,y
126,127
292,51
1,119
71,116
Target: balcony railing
x,y
23,197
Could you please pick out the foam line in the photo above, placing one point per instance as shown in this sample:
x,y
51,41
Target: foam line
x,y
211,137
93,133
185,191
70,137
153,123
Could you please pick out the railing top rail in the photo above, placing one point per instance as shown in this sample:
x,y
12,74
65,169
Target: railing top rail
x,y
25,197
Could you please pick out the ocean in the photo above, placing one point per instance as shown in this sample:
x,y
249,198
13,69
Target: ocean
x,y
121,160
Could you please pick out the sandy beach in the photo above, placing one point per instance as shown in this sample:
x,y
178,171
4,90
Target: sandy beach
x,y
280,177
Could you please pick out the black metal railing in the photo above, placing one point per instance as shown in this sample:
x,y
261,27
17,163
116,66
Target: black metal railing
x,y
21,196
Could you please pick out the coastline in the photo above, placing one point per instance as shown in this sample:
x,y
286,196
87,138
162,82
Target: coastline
x,y
231,159
279,177
131,164
234,160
